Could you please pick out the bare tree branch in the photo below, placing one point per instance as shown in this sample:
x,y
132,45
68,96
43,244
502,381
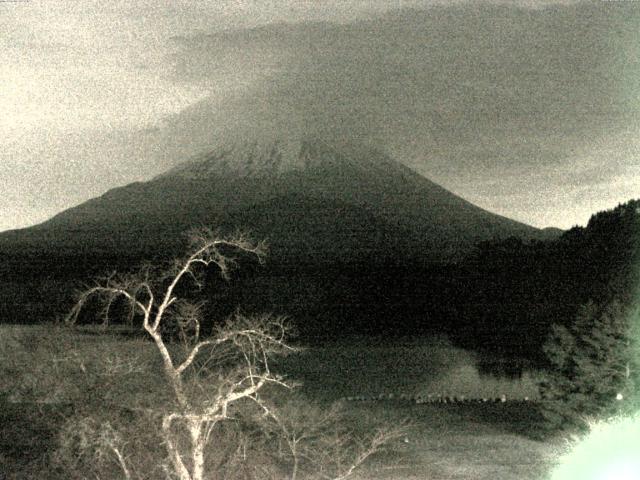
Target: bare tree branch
x,y
210,375
254,339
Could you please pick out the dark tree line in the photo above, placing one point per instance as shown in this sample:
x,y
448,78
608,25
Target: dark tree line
x,y
517,291
503,298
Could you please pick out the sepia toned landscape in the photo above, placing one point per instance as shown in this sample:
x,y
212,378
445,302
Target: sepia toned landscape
x,y
330,240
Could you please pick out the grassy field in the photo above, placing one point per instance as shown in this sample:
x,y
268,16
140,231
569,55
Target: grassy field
x,y
464,442
445,442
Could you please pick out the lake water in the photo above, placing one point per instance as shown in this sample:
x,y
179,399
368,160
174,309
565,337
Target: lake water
x,y
411,367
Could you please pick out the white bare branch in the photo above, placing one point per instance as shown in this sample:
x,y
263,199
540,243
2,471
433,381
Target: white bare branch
x,y
254,339
209,375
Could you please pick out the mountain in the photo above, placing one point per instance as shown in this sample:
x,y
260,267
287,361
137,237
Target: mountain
x,y
358,242
313,200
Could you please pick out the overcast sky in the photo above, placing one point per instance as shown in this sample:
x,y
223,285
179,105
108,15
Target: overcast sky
x,y
528,109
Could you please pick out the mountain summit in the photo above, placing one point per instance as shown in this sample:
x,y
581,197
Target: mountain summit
x,y
311,199
270,158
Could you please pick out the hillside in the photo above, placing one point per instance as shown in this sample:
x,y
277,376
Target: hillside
x,y
352,234
305,196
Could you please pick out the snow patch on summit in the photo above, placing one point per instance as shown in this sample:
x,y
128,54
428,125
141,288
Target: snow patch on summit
x,y
270,158
239,160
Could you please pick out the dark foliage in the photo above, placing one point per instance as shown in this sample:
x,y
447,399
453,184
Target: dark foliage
x,y
517,291
594,366
504,298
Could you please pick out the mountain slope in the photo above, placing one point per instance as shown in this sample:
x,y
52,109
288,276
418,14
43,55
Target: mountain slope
x,y
298,193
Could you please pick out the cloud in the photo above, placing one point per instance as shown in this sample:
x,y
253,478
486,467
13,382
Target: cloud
x,y
484,99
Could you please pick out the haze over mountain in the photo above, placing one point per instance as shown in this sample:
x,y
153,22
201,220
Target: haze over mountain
x,y
313,199
529,109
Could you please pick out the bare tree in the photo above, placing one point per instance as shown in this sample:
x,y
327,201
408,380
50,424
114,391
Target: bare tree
x,y
210,375
321,446
251,339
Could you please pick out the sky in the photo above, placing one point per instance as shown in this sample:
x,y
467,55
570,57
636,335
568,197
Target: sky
x,y
527,109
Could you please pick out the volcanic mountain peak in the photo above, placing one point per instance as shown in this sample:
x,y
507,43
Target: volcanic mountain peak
x,y
238,160
303,192
265,158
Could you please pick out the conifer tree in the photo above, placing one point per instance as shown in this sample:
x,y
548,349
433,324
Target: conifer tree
x,y
593,365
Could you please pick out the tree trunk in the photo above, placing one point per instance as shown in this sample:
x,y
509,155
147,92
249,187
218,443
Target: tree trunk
x,y
178,465
197,449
